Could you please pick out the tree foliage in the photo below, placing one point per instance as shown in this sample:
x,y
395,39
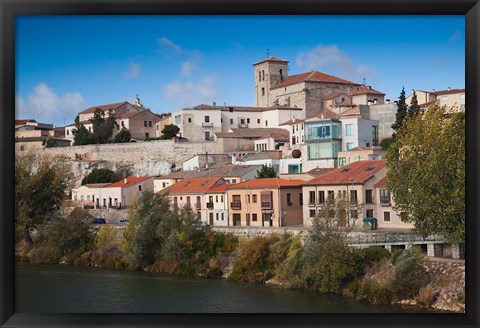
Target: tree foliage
x,y
123,136
101,176
414,109
81,136
40,185
426,173
170,131
266,171
103,126
402,110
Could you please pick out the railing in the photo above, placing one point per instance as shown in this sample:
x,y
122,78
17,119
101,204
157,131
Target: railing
x,y
207,124
209,205
385,201
198,206
236,205
389,239
242,125
266,205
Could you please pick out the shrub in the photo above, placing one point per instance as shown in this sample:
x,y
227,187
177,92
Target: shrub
x,y
290,271
409,274
395,255
425,296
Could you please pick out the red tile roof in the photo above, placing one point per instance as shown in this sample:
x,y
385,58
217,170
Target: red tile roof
x,y
356,173
362,90
318,171
271,59
353,111
23,122
334,95
324,114
131,181
103,107
221,188
366,148
250,133
446,92
382,183
427,104
314,76
292,121
266,183
192,186
277,136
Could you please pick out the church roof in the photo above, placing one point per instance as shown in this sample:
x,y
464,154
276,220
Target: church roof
x,y
271,59
314,76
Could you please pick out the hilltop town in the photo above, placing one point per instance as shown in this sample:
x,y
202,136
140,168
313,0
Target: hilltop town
x,y
322,136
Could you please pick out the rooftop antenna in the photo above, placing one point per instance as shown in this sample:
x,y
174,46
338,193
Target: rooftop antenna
x,y
364,81
268,52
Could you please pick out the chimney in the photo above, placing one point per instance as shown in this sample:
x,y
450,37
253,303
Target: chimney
x,y
125,181
214,103
136,102
448,88
387,101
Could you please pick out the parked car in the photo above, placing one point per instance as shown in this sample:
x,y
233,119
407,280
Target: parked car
x,y
99,221
123,221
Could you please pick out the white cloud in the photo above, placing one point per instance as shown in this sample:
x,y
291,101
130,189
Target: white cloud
x,y
133,71
46,106
330,59
191,93
167,44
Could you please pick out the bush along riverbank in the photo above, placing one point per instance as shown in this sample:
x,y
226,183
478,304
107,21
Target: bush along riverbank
x,y
173,241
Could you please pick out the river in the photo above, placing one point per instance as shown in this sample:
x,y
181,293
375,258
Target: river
x,y
54,288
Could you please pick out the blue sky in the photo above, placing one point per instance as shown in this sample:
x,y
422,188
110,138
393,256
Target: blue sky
x,y
65,64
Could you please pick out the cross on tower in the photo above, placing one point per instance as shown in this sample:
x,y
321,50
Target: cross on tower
x,y
364,81
268,52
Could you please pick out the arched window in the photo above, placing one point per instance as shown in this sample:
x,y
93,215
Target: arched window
x,y
263,75
259,75
281,75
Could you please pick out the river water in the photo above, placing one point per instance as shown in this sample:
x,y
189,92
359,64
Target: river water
x,y
54,288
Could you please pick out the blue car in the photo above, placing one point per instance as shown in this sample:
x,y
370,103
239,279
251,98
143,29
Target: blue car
x,y
123,221
99,221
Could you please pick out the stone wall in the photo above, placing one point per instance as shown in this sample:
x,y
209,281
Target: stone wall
x,y
144,158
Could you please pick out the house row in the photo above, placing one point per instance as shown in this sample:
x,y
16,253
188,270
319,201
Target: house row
x,y
278,202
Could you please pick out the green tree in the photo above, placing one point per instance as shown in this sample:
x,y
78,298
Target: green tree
x,y
170,131
414,109
100,176
40,185
426,173
402,110
81,136
123,136
385,143
103,126
266,171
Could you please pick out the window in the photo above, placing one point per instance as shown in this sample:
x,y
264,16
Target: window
x,y
445,98
178,119
353,196
248,121
207,135
374,135
266,123
403,217
149,124
300,199
189,120
263,91
386,216
222,216
293,141
263,75
289,200
81,197
164,184
221,198
145,123
342,161
207,119
216,199
247,218
147,135
231,121
354,214
321,197
216,216
312,197
254,217
68,132
242,121
234,180
89,129
140,188
368,197
247,199
258,121
254,198
312,213
22,148
349,130
259,75
331,194
369,213
349,145
384,196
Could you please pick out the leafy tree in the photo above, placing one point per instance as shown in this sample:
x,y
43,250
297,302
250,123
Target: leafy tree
x,y
266,172
402,110
414,109
426,173
100,176
170,131
385,143
409,274
81,136
40,185
123,136
103,126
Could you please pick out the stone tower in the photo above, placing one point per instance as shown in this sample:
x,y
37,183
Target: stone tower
x,y
268,73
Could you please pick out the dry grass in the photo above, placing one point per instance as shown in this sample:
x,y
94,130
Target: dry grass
x,y
426,296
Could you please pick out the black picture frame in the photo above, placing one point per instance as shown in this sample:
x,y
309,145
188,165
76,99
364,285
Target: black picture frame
x,y
10,8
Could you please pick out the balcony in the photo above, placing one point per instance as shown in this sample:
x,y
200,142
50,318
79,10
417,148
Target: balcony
x,y
236,205
198,206
266,205
242,125
209,205
207,124
385,201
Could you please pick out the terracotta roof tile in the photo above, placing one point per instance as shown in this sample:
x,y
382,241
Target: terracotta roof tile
x,y
266,183
23,122
382,183
103,107
352,111
271,58
357,172
323,114
361,90
131,181
292,121
427,104
318,171
192,186
446,92
219,188
334,95
314,76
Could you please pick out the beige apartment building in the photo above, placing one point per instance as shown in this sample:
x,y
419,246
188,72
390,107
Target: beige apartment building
x,y
386,215
270,202
217,205
354,182
449,98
